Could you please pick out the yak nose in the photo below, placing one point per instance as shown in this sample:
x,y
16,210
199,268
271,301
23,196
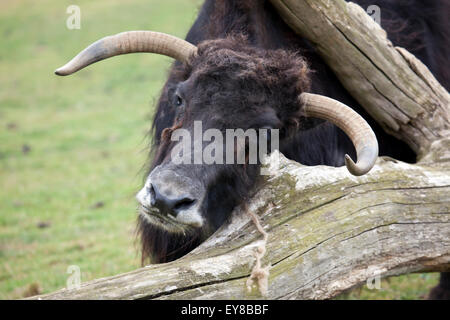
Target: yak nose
x,y
167,202
170,191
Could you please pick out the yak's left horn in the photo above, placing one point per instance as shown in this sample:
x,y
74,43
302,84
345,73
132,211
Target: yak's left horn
x,y
351,123
130,42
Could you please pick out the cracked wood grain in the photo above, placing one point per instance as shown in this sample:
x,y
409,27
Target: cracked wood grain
x,y
393,86
328,231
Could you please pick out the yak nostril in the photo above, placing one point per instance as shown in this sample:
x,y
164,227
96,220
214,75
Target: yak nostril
x,y
184,204
151,192
166,204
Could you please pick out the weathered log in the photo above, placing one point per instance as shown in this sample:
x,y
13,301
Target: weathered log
x,y
328,230
393,86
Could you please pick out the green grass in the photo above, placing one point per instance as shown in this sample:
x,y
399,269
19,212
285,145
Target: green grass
x,y
406,287
67,144
86,134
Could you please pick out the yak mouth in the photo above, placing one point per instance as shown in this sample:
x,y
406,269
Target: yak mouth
x,y
165,222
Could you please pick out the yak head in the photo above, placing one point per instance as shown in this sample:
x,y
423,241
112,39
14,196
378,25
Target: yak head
x,y
225,107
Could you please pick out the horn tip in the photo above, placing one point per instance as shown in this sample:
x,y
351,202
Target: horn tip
x,y
353,168
366,160
62,72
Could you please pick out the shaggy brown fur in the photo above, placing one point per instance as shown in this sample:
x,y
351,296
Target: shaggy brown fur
x,y
232,80
242,87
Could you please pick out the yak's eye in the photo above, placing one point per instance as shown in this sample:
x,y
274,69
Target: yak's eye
x,y
178,101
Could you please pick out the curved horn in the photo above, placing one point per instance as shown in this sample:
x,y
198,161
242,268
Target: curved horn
x,y
130,42
351,123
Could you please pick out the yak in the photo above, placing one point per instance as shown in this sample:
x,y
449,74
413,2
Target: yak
x,y
242,67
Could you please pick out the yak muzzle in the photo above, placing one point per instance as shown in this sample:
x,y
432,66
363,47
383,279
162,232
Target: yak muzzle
x,y
172,197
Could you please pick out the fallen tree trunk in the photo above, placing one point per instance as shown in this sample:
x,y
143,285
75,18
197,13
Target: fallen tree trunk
x,y
328,230
394,87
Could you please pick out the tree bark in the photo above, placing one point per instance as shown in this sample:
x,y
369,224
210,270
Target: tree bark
x,y
394,87
328,231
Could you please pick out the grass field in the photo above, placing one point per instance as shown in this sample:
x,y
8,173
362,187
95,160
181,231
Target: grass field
x,y
72,149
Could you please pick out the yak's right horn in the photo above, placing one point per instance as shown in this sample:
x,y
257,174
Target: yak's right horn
x,y
130,42
351,123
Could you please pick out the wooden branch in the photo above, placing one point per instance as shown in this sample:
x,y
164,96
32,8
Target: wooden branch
x,y
393,86
328,231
